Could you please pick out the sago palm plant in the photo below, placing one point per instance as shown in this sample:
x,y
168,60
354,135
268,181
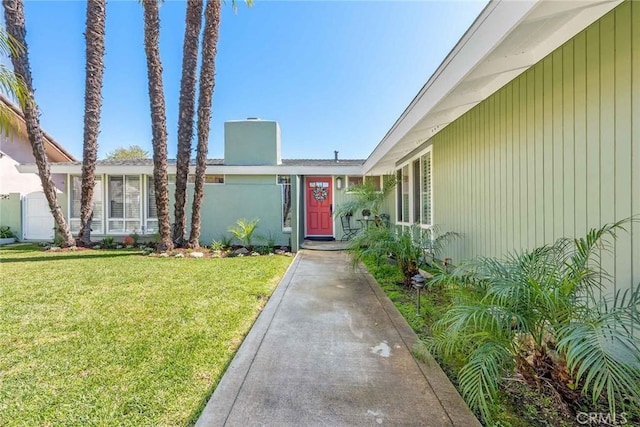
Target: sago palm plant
x,y
382,242
243,231
540,312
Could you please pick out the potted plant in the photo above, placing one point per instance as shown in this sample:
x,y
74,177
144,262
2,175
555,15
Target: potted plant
x,y
6,235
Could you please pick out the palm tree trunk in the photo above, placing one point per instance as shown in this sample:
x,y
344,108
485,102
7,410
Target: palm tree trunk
x,y
158,121
207,83
96,15
15,22
185,120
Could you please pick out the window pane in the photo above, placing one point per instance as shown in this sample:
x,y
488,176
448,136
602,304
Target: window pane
x,y
285,182
353,181
416,191
375,180
131,226
116,197
399,195
76,194
152,226
405,193
426,188
152,211
116,226
97,204
74,225
132,197
208,179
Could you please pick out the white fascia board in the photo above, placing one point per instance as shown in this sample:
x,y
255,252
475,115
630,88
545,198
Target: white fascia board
x,y
213,169
286,170
495,22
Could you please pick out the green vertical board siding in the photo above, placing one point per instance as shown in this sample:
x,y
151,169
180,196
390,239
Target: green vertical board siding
x,y
553,153
635,139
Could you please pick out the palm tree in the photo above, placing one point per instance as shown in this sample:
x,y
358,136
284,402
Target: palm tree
x,y
15,21
10,84
207,84
96,15
540,313
158,120
185,115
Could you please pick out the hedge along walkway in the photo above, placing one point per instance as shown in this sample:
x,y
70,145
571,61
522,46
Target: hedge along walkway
x,y
331,349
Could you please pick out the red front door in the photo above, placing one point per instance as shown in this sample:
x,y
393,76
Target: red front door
x,y
319,206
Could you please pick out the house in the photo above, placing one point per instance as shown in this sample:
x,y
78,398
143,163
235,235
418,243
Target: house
x,y
21,192
252,181
529,130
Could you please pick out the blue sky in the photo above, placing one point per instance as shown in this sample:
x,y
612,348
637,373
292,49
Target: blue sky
x,y
334,74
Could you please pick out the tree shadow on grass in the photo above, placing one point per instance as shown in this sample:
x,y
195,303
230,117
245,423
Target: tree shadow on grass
x,y
67,256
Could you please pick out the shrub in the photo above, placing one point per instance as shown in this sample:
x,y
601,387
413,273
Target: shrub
x,y
6,233
128,240
410,247
540,313
243,231
109,242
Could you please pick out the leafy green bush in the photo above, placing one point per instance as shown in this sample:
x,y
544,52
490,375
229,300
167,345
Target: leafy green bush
x,y
109,242
410,247
540,313
216,245
6,233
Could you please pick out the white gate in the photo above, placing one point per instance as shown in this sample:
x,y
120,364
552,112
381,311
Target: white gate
x,y
37,219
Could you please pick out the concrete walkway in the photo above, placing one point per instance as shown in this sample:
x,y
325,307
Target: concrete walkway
x,y
330,349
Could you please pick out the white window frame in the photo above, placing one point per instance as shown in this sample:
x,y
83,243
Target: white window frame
x,y
429,223
140,218
364,180
348,186
148,179
70,202
411,220
285,229
224,179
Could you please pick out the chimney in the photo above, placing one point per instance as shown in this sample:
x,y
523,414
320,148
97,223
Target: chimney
x,y
335,156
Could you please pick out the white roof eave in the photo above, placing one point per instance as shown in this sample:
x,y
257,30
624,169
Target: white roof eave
x,y
446,95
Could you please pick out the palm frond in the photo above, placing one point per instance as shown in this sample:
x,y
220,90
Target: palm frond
x,y
605,354
480,377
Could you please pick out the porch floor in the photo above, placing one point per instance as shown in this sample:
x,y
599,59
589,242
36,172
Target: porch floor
x,y
315,245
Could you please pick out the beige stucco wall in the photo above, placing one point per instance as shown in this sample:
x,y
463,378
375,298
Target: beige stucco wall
x,y
553,153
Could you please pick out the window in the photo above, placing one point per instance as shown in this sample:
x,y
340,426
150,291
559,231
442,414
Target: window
x,y
413,191
405,193
375,181
425,160
208,179
152,211
74,208
416,190
125,201
285,182
353,181
399,216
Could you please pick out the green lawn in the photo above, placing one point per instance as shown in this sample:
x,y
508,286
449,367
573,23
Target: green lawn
x,y
117,338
